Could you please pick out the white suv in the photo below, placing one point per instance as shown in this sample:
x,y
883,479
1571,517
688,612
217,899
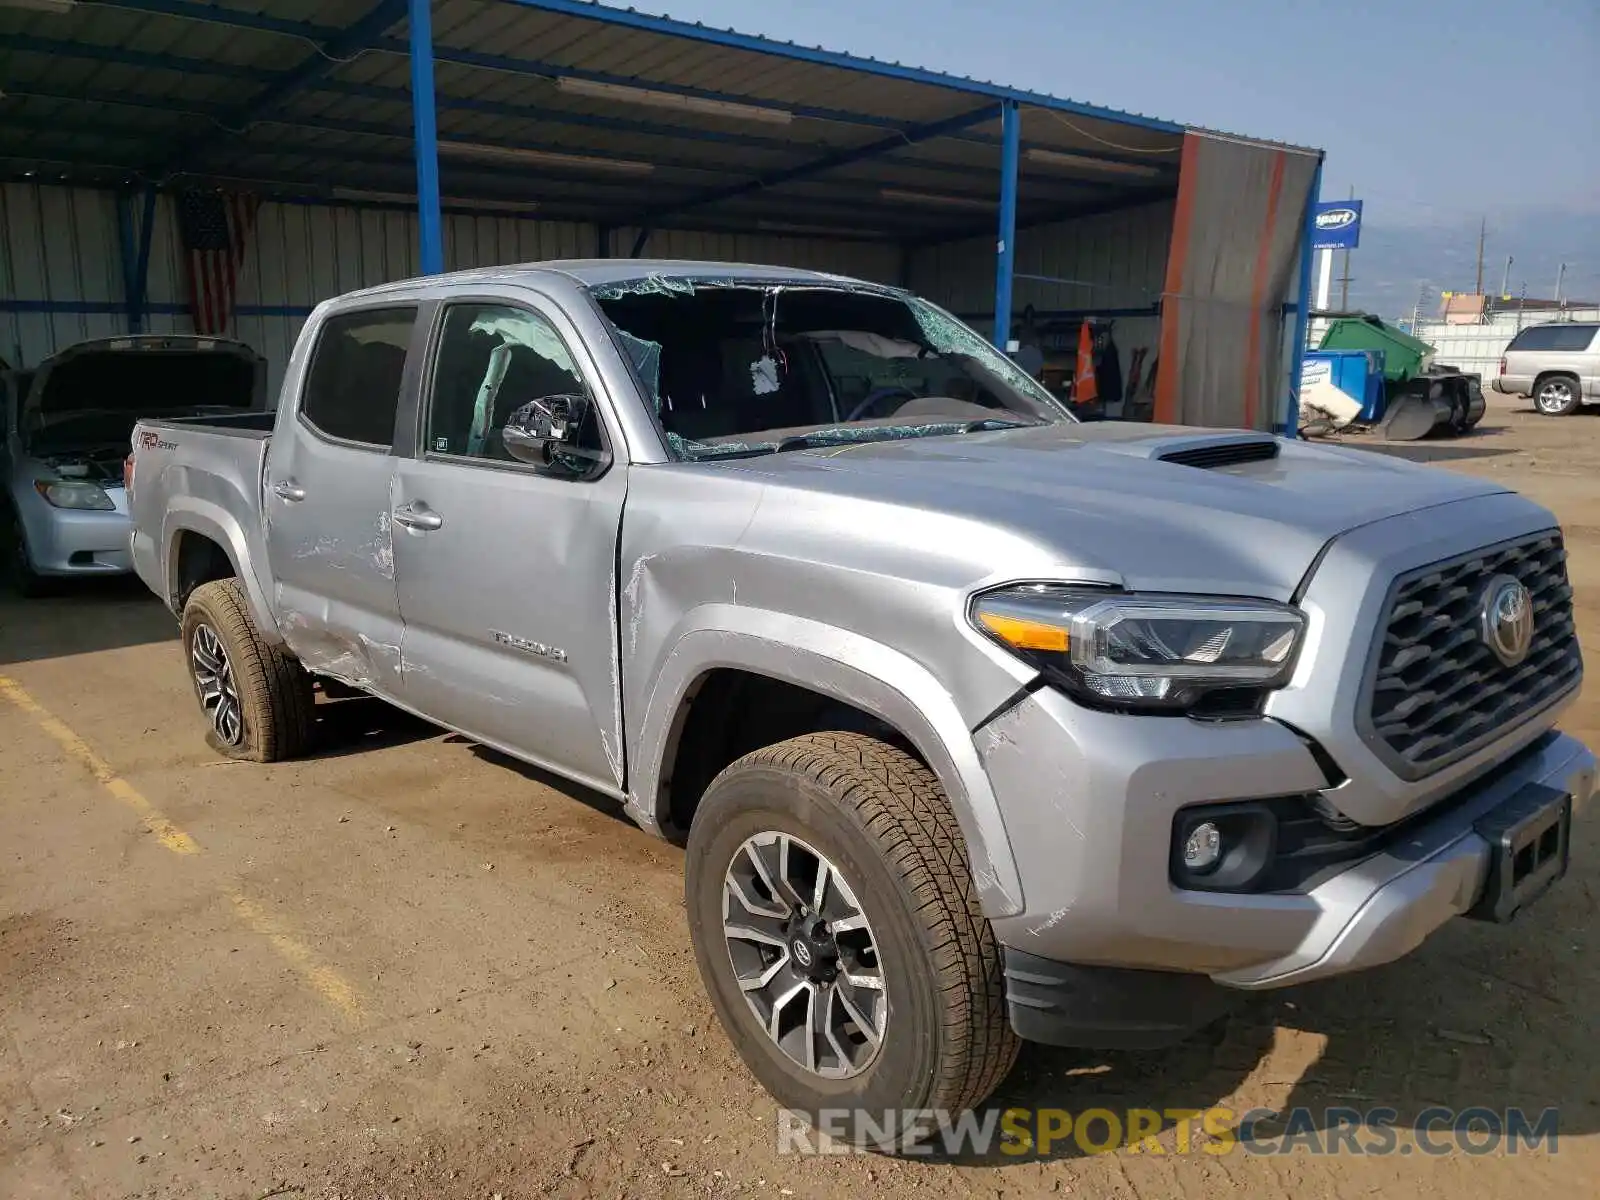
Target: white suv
x,y
1558,365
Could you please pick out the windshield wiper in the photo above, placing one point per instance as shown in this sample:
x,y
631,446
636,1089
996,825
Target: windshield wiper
x,y
997,423
823,439
816,441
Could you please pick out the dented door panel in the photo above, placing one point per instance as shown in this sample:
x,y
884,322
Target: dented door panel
x,y
510,611
332,559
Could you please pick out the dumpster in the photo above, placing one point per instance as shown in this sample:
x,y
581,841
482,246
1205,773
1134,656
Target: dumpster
x,y
1404,357
1418,397
1356,373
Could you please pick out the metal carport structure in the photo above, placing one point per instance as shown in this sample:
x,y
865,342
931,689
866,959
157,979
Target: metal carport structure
x,y
635,125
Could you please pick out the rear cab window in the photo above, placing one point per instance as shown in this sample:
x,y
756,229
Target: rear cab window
x,y
352,387
1570,338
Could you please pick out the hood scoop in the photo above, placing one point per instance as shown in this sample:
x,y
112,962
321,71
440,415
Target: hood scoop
x,y
1223,452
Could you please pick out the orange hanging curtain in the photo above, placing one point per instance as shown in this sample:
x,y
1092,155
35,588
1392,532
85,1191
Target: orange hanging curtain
x,y
1084,388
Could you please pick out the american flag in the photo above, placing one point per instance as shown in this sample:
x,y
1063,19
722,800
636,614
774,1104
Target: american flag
x,y
214,228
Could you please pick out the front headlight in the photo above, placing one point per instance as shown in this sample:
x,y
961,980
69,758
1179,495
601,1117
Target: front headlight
x,y
1152,652
72,493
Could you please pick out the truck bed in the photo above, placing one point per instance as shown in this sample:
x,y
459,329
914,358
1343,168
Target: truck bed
x,y
203,475
245,424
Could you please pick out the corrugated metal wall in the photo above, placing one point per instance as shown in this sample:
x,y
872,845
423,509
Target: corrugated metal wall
x,y
1116,264
60,254
1114,260
57,246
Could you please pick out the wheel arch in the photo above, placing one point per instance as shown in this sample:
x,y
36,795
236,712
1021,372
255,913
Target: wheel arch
x,y
191,522
845,668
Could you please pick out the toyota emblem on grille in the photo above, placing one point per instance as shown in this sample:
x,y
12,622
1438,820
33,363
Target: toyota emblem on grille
x,y
1506,619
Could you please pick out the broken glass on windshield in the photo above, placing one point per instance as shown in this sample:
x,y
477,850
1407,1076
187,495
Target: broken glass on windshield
x,y
736,368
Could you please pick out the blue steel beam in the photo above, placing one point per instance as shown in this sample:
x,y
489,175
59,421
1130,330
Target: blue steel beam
x,y
1006,251
430,221
819,166
1302,312
326,56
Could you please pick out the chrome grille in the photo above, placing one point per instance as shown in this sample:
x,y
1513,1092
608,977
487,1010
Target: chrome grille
x,y
1438,692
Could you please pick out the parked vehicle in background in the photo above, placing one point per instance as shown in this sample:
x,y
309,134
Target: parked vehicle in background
x,y
67,425
980,724
1557,364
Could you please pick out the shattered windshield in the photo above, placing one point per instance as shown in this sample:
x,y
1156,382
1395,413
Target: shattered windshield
x,y
738,368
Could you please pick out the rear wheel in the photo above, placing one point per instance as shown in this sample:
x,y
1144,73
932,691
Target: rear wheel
x,y
256,697
1557,395
838,932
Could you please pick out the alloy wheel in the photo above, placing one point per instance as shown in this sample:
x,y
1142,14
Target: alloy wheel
x,y
1555,395
804,955
213,679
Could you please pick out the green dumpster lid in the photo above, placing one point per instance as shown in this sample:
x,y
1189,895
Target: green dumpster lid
x,y
1403,357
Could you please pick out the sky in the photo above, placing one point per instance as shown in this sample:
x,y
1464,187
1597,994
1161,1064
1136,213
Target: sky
x,y
1439,113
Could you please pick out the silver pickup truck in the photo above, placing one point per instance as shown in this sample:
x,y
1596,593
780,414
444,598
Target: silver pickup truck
x,y
980,724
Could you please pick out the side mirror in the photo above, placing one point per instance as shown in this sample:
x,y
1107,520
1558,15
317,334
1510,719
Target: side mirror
x,y
548,433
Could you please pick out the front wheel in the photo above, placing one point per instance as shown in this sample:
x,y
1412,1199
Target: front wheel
x,y
839,935
15,561
1557,396
256,697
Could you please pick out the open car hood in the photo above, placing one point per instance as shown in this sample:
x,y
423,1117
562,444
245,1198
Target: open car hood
x,y
84,376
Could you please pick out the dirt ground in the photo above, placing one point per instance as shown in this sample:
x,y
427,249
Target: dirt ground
x,y
409,967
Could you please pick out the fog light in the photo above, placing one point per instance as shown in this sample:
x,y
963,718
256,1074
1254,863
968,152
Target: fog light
x,y
1202,849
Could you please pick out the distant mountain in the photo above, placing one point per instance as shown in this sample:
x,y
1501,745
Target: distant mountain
x,y
1396,261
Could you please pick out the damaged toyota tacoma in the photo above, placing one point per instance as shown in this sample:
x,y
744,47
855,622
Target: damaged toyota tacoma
x,y
980,725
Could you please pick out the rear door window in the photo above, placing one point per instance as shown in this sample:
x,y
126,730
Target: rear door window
x,y
352,387
1555,337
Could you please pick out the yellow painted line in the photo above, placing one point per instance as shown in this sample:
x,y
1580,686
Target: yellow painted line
x,y
327,982
168,834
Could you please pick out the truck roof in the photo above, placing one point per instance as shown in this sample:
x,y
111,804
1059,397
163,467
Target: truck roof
x,y
599,272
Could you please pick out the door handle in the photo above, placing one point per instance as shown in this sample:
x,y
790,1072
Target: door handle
x,y
288,489
418,517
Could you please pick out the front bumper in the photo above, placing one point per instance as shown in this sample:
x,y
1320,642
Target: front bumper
x,y
65,541
1089,799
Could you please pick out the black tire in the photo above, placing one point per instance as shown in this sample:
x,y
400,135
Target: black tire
x,y
14,561
273,691
881,817
1558,395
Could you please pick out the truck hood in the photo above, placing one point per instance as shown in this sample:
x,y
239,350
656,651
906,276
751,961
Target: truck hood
x,y
1105,499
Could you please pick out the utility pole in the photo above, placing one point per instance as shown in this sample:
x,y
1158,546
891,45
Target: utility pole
x,y
1416,309
1483,230
1561,276
1344,278
1505,277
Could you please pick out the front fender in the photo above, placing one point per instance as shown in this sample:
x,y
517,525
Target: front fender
x,y
188,513
849,668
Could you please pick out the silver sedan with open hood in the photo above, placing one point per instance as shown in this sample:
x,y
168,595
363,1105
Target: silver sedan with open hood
x,y
67,429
